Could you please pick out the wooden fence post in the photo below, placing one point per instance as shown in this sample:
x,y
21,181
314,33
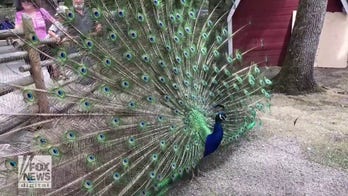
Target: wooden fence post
x,y
36,72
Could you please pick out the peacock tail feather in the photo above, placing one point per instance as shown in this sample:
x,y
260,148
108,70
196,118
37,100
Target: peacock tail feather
x,y
140,101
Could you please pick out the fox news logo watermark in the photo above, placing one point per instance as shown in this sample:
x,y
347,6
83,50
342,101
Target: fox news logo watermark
x,y
34,171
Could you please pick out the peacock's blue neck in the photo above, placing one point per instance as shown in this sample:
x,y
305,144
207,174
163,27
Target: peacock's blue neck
x,y
213,140
217,126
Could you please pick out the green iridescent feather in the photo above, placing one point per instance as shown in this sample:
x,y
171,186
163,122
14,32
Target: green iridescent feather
x,y
139,104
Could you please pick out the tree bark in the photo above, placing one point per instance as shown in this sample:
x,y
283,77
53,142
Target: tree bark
x,y
296,75
36,71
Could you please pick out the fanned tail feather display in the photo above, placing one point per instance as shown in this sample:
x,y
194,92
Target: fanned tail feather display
x,y
141,101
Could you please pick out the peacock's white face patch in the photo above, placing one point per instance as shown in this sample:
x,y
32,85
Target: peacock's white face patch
x,y
222,116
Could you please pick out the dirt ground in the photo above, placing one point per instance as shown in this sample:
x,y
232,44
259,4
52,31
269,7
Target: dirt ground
x,y
309,157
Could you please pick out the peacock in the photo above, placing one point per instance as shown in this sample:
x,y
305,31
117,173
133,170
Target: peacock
x,y
145,100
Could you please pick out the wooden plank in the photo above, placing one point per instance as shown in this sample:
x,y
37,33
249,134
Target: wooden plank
x,y
233,10
13,121
345,5
7,88
4,34
333,45
230,26
27,67
13,56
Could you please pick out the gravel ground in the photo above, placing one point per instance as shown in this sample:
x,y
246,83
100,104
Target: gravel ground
x,y
273,166
280,158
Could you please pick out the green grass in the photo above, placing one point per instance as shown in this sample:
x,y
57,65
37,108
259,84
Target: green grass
x,y
333,155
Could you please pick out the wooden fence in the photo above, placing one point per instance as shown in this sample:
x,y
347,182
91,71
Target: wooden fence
x,y
34,66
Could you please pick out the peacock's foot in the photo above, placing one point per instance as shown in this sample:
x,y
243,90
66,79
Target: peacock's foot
x,y
196,173
199,172
193,177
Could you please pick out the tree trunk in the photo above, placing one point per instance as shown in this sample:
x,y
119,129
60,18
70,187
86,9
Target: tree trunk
x,y
296,74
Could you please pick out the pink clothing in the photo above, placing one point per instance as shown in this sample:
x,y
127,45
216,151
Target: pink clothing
x,y
39,22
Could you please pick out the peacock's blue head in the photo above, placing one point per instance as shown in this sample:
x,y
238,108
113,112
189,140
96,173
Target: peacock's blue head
x,y
221,116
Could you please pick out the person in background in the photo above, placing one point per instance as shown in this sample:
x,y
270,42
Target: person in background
x,y
38,15
60,2
58,30
83,24
83,21
39,18
6,24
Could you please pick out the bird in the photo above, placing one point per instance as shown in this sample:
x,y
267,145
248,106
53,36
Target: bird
x,y
149,99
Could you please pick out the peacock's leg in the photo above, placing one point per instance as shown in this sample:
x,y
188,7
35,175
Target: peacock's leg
x,y
195,178
196,172
199,172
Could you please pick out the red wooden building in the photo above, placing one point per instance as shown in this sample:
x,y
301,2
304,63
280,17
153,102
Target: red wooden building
x,y
271,22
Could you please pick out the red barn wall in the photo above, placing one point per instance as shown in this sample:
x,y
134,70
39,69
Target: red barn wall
x,y
334,6
271,22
